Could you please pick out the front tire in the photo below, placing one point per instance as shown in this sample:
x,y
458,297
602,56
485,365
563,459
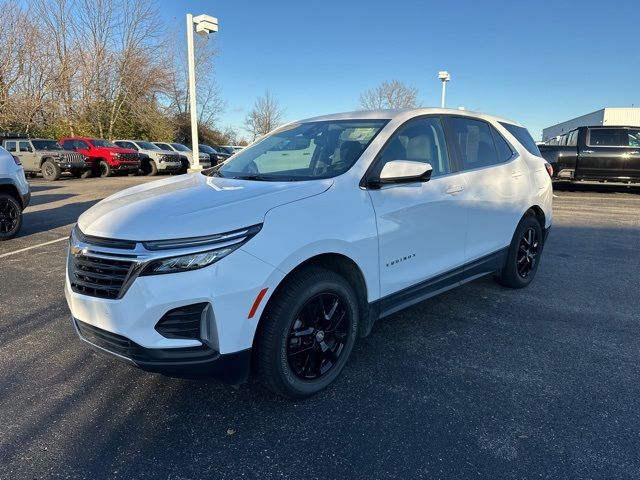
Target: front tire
x,y
105,169
10,216
50,170
524,254
307,333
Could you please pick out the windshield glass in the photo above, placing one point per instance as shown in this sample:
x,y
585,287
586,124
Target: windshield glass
x,y
207,149
97,142
180,147
147,146
228,150
304,151
46,145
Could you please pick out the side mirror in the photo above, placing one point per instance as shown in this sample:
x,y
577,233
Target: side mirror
x,y
403,171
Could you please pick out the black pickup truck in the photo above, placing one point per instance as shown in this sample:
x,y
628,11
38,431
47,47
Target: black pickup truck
x,y
602,154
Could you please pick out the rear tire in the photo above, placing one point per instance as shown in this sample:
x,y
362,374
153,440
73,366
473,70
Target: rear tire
x,y
105,169
524,254
50,170
10,216
307,333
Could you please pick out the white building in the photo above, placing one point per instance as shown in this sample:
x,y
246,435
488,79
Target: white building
x,y
607,116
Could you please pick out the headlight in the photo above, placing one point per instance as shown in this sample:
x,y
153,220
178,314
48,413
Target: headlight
x,y
207,254
185,263
114,154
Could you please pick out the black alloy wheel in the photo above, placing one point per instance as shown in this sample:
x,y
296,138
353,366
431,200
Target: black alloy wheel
x,y
318,336
10,216
524,253
527,257
306,333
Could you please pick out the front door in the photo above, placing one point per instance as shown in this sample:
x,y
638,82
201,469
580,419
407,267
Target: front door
x,y
421,226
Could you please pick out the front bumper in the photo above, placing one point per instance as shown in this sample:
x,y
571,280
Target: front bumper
x,y
127,327
169,166
74,165
128,166
190,362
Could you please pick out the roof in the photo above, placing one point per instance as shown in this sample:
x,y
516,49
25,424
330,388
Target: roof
x,y
404,113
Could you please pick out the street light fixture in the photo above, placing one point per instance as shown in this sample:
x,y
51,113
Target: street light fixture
x,y
444,77
205,25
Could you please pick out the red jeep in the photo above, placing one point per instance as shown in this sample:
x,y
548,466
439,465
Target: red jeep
x,y
105,157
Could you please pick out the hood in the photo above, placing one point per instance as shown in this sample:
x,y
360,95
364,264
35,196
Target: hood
x,y
191,206
117,149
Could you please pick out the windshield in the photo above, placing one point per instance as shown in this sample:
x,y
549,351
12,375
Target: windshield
x,y
207,149
147,146
304,151
97,142
228,150
46,145
180,147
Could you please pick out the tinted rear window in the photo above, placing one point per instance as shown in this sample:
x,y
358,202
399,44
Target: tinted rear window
x,y
524,137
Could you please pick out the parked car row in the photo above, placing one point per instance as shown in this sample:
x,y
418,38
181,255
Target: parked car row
x,y
85,157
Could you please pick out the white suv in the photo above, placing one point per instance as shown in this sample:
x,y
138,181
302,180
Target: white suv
x,y
15,194
281,257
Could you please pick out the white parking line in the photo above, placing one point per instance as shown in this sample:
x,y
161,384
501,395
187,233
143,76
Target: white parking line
x,y
34,246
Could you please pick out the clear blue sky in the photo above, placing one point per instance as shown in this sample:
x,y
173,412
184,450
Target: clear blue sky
x,y
535,62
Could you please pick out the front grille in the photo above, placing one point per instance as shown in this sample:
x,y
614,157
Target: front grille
x,y
183,322
129,157
98,277
74,158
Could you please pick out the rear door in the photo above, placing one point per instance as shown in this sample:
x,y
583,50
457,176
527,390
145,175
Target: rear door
x,y
496,190
604,155
632,154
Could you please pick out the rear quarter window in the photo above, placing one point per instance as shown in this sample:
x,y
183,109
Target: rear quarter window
x,y
524,137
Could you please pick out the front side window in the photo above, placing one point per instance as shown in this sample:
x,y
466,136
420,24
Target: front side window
x,y
474,141
419,140
634,137
46,145
304,151
608,137
24,147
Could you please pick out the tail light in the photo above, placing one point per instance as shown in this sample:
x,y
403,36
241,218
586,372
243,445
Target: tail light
x,y
17,160
549,169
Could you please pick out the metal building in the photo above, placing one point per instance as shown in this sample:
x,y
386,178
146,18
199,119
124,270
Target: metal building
x,y
607,116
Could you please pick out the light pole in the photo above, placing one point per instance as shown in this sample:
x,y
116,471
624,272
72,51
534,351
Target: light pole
x,y
204,26
445,77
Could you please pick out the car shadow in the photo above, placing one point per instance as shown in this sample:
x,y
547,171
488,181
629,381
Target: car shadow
x,y
597,187
49,198
43,187
43,220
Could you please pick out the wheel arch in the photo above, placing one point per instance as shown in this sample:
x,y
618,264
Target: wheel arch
x,y
343,266
537,211
13,191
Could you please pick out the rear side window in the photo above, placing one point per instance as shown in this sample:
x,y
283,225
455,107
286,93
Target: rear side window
x,y
11,146
523,136
502,147
474,141
614,137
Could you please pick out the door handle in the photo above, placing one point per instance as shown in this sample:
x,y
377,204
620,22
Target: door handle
x,y
454,189
587,151
516,173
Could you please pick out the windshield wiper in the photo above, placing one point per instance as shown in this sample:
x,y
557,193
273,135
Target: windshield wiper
x,y
263,178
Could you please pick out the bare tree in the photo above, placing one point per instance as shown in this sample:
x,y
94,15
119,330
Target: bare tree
x,y
389,94
265,116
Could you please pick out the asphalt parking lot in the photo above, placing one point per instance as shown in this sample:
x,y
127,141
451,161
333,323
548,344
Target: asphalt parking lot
x,y
481,382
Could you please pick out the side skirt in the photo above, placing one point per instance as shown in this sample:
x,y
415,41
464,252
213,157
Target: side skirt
x,y
429,288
